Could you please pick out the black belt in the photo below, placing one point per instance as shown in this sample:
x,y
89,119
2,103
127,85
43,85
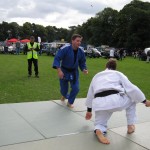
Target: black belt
x,y
68,69
71,70
106,93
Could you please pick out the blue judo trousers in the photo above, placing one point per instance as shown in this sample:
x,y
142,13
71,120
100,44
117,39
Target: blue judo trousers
x,y
69,62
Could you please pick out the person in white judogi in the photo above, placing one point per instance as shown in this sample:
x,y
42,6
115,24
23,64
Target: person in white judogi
x,y
111,91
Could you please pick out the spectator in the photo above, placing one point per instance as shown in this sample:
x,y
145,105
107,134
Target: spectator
x,y
32,48
121,53
112,53
148,56
18,47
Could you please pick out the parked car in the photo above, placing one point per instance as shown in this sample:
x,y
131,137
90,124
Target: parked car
x,y
45,47
146,50
93,52
1,49
143,56
106,53
100,49
12,49
51,51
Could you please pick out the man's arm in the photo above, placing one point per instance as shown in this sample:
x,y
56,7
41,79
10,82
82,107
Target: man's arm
x,y
37,48
132,90
58,58
60,73
82,63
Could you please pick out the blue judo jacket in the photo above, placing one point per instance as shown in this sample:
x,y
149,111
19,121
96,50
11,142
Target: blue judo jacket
x,y
64,59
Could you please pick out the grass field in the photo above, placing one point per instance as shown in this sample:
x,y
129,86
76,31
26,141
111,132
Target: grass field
x,y
15,86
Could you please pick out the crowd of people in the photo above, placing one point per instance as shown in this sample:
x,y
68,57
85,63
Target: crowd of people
x,y
19,47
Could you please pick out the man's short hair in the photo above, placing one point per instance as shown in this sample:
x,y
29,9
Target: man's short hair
x,y
32,37
111,64
74,36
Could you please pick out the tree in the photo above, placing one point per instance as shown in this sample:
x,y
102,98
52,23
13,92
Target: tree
x,y
27,30
99,30
4,31
40,31
133,25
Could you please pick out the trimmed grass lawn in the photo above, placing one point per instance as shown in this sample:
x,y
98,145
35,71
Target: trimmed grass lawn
x,y
15,86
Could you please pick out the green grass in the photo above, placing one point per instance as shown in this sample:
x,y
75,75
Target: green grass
x,y
16,87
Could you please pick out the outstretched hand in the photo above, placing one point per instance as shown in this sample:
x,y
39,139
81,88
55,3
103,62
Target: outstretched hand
x,y
60,73
30,49
88,115
85,71
147,103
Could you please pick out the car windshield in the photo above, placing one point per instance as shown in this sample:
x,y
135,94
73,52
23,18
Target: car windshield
x,y
95,50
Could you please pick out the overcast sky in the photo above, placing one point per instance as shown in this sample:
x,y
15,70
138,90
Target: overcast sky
x,y
59,13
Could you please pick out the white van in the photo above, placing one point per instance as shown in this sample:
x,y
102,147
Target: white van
x,y
146,50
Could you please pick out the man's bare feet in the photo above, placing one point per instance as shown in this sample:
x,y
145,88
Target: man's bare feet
x,y
101,137
131,129
70,105
147,103
62,99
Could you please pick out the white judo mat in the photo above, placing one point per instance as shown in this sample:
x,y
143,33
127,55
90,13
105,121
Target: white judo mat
x,y
51,125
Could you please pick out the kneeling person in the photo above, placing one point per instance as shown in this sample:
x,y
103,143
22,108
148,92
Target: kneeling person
x,y
111,91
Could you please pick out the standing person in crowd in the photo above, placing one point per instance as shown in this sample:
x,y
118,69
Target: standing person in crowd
x,y
111,91
135,53
147,52
148,56
5,47
32,49
121,53
67,61
140,54
18,47
40,51
112,53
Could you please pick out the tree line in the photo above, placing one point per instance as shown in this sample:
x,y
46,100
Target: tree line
x,y
128,28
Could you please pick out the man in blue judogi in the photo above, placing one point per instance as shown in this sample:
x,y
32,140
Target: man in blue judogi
x,y
67,61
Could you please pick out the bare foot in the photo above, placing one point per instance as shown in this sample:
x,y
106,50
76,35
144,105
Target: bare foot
x,y
147,104
70,105
101,137
62,99
131,129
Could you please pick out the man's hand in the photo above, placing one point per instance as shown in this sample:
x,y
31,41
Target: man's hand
x,y
30,49
147,103
85,71
60,73
88,115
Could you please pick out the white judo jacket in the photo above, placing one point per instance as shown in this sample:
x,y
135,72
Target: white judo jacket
x,y
112,80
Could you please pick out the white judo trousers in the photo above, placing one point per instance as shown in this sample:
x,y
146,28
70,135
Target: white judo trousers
x,y
102,116
127,98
